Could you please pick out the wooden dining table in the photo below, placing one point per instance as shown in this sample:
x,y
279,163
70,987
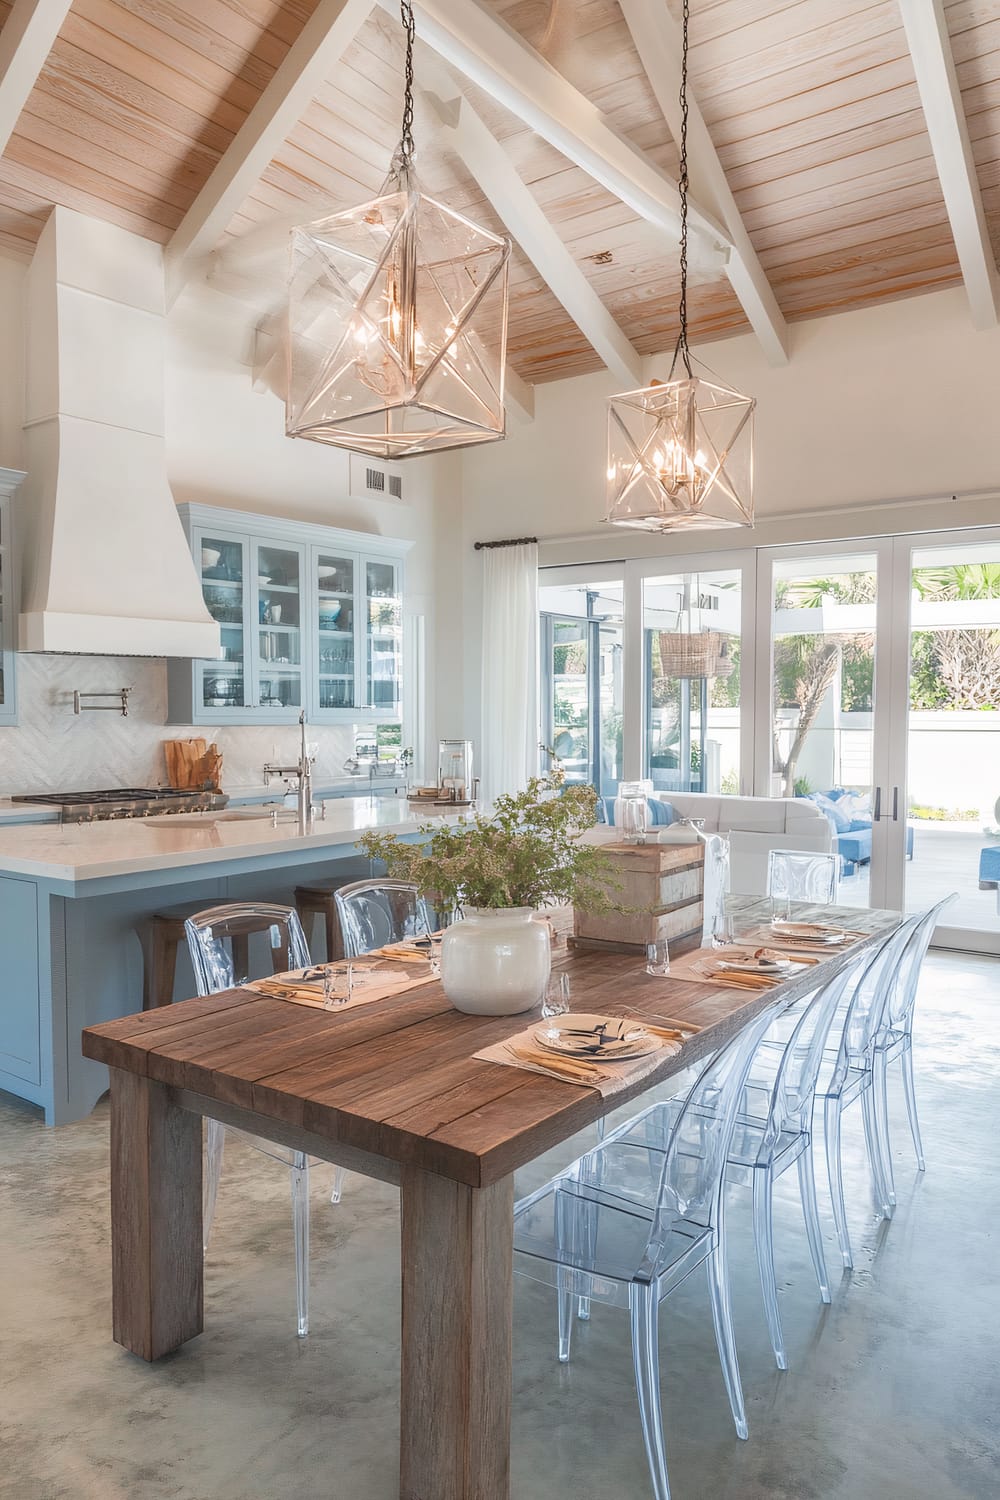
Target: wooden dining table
x,y
391,1090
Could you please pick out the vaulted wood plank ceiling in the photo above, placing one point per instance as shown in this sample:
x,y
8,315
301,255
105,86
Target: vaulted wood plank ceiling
x,y
813,110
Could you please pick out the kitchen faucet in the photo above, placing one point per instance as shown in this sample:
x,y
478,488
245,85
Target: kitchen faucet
x,y
303,773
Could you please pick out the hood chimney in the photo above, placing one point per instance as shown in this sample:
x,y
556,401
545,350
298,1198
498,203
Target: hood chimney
x,y
106,566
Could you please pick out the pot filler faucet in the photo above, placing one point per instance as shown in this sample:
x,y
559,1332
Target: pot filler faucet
x,y
303,774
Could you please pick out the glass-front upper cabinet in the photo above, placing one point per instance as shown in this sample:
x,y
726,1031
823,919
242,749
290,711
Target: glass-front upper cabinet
x,y
334,581
280,630
221,687
383,644
308,617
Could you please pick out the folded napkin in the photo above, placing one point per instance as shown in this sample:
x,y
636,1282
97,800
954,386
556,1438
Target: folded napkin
x,y
607,1076
370,983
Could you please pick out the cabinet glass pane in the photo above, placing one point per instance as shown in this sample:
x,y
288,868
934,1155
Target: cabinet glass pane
x,y
335,584
221,684
279,626
385,635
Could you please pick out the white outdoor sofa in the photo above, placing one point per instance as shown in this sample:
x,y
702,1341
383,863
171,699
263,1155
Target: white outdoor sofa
x,y
755,826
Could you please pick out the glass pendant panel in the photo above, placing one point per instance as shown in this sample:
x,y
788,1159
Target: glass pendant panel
x,y
397,328
680,455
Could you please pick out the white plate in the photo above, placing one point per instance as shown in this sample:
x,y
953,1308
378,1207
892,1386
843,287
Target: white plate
x,y
559,1035
756,966
813,932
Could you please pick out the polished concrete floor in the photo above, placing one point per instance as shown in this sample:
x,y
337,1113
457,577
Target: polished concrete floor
x,y
893,1392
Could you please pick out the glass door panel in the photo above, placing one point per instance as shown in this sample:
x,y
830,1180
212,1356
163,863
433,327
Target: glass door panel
x,y
952,750
279,632
582,639
222,685
384,637
822,712
691,631
335,582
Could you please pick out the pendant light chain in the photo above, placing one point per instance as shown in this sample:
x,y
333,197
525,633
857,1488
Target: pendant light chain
x,y
406,147
682,192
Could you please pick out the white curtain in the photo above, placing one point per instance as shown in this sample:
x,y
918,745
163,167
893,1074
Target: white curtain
x,y
509,752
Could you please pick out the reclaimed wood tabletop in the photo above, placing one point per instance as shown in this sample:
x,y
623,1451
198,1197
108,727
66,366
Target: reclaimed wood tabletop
x,y
392,1090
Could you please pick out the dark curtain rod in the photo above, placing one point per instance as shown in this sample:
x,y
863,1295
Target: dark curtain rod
x,y
513,541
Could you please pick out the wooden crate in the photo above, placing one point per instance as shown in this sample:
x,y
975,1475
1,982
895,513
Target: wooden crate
x,y
662,884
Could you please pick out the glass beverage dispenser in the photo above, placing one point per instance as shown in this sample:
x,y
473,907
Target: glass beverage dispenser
x,y
455,770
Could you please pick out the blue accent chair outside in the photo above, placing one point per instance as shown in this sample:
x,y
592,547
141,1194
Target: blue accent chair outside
x,y
853,836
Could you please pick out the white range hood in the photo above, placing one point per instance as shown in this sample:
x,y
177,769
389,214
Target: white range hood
x,y
106,567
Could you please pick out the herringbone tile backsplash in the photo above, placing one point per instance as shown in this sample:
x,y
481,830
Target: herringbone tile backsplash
x,y
53,749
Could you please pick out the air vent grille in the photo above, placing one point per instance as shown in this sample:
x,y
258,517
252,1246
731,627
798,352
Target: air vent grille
x,y
376,480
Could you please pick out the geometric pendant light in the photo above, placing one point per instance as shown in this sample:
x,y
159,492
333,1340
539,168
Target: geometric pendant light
x,y
397,319
680,452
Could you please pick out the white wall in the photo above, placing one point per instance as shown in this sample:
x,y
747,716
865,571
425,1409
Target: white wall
x,y
874,406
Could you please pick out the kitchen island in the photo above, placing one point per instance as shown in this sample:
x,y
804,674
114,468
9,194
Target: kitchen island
x,y
75,900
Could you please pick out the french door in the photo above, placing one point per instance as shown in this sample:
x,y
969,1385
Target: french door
x,y
878,669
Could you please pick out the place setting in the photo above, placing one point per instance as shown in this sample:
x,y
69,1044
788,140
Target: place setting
x,y
606,1051
345,984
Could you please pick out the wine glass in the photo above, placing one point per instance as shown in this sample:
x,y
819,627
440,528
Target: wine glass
x,y
723,930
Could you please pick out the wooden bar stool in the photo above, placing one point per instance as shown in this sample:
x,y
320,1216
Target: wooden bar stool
x,y
312,901
166,934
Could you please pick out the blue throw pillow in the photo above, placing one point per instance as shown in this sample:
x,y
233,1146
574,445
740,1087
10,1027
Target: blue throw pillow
x,y
839,818
661,814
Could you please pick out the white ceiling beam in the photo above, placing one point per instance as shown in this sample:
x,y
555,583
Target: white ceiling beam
x,y
518,394
491,54
306,67
25,42
937,82
658,41
463,130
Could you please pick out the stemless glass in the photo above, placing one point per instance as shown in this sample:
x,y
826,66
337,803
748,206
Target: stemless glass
x,y
635,820
555,1001
658,958
723,930
338,983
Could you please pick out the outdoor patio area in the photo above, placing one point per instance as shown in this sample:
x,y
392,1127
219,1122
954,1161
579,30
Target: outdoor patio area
x,y
945,858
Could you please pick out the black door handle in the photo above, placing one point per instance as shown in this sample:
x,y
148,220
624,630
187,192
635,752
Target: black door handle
x,y
877,810
895,804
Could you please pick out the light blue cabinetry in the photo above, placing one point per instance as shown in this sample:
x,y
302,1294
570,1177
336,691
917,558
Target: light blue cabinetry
x,y
310,617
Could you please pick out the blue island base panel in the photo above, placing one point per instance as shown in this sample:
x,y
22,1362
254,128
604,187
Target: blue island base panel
x,y
71,962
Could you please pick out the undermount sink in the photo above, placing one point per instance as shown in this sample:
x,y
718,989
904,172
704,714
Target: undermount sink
x,y
227,815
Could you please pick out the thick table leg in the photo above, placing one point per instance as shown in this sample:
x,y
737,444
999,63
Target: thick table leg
x,y
156,1250
457,1314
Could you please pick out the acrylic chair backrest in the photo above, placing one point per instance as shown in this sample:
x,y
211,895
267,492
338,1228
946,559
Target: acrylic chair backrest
x,y
794,1087
694,1161
867,997
903,993
375,912
210,934
800,875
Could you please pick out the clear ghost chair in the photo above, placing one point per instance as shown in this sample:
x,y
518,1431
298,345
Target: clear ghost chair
x,y
209,935
375,912
773,1131
848,1073
895,1040
799,875
628,1223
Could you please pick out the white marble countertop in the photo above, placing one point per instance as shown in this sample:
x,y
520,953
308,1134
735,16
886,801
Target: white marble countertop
x,y
81,852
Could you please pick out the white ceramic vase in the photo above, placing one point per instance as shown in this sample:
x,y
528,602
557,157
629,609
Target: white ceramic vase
x,y
496,962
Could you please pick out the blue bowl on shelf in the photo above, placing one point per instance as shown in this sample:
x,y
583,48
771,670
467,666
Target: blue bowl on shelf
x,y
329,614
